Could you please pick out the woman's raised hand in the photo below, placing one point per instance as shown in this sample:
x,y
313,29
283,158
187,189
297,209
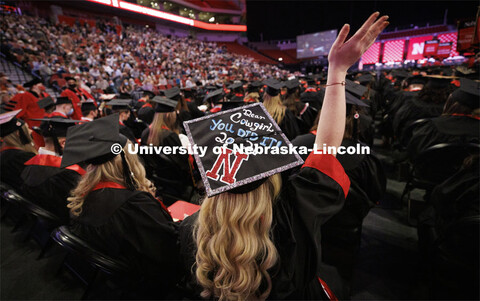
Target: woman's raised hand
x,y
344,54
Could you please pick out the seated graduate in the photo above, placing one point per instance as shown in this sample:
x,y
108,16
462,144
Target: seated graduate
x,y
273,103
214,100
115,210
459,123
254,92
144,107
122,107
44,182
236,91
261,239
47,104
366,130
292,97
173,173
187,110
89,111
312,98
17,148
63,108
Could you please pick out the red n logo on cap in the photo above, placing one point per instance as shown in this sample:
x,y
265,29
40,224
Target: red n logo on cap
x,y
228,175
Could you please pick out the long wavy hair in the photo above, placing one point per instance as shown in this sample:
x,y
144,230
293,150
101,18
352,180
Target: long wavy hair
x,y
159,123
234,249
13,139
274,106
111,171
291,101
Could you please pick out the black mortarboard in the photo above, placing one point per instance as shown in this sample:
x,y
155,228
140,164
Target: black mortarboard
x,y
88,106
355,88
232,169
353,100
468,94
401,74
9,124
45,102
32,83
254,86
273,86
172,93
365,79
438,81
93,142
164,105
292,84
55,126
313,97
416,79
214,96
232,104
67,78
148,93
119,104
235,85
61,100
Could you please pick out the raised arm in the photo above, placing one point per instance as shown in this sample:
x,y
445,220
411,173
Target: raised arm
x,y
343,55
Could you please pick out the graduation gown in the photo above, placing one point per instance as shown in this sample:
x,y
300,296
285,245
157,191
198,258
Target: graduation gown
x,y
134,227
306,202
289,125
146,113
192,113
11,165
127,132
48,185
444,129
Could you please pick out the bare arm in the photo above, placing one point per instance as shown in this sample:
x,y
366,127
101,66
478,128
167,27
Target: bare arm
x,y
343,55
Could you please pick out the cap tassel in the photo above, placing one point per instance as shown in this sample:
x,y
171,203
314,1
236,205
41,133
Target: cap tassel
x,y
126,173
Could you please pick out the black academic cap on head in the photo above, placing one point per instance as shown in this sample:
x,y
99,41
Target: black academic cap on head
x,y
67,78
355,88
55,126
88,106
232,104
468,94
398,73
9,124
32,83
292,84
94,142
172,93
45,102
416,79
353,100
254,86
234,170
365,79
215,96
119,104
148,93
273,86
235,85
313,97
62,99
438,81
164,105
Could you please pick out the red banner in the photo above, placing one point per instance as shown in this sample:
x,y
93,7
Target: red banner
x,y
416,47
466,30
444,50
430,48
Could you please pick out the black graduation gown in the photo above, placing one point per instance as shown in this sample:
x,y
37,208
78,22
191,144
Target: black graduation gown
x,y
48,185
11,166
307,201
192,113
306,120
127,132
289,125
444,129
412,110
133,226
146,114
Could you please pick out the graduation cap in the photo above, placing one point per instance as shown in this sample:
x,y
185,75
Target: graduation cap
x,y
273,86
355,88
55,126
67,78
438,81
172,93
62,99
468,94
235,85
32,83
88,106
365,79
313,97
45,102
232,104
164,105
230,168
9,123
353,100
416,79
254,86
400,74
97,142
292,84
215,96
119,104
148,93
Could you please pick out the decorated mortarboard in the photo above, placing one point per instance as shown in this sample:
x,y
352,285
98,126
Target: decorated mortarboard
x,y
119,104
354,88
62,100
353,100
232,104
164,105
45,102
88,106
32,83
215,96
273,86
94,142
9,123
55,126
468,94
292,84
235,85
230,137
172,93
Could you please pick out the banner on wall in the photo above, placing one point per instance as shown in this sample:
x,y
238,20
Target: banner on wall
x,y
416,47
430,48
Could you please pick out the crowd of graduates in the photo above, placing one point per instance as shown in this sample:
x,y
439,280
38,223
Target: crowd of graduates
x,y
413,112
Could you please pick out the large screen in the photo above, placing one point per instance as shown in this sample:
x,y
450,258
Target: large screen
x,y
315,44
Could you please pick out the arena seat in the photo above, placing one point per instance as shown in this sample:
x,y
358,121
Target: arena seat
x,y
243,50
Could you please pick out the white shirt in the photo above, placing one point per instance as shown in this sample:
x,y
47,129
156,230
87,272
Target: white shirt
x,y
44,151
